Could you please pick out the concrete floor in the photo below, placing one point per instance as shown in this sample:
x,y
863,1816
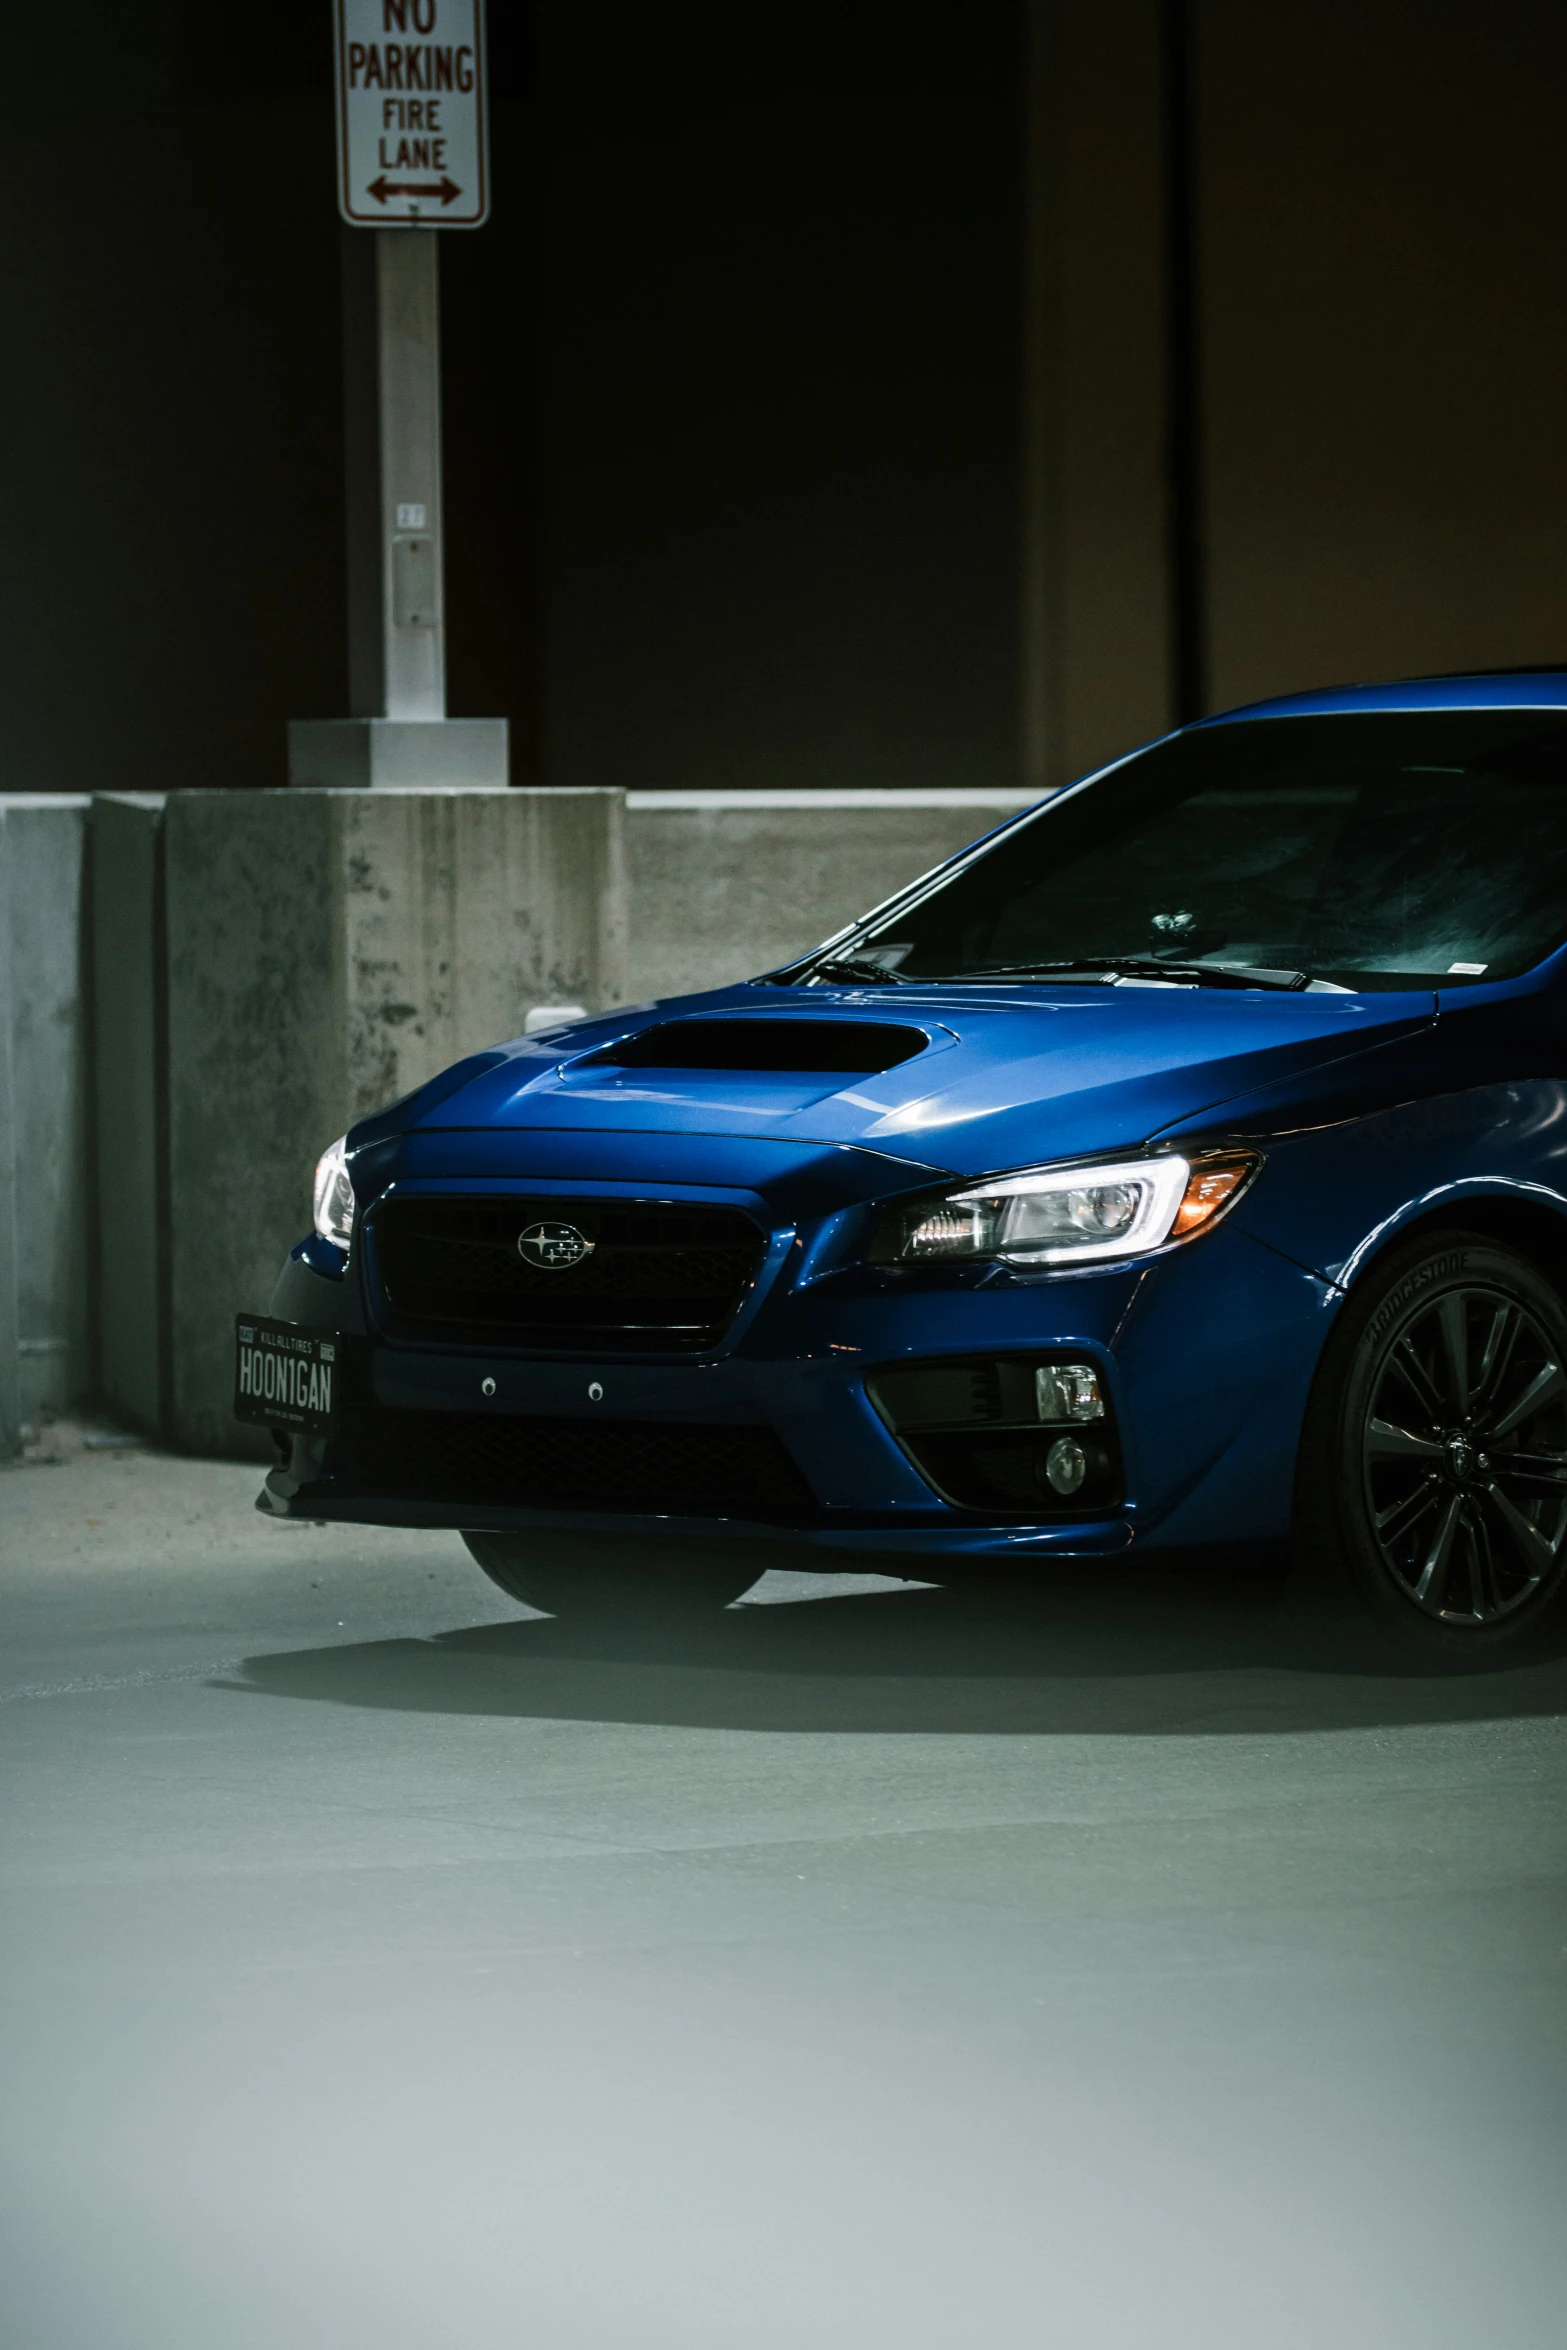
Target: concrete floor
x,y
870,1967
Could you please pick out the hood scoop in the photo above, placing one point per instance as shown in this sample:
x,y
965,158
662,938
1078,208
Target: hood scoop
x,y
858,1048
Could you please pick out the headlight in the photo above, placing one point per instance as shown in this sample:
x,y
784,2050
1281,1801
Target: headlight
x,y
1072,1215
334,1195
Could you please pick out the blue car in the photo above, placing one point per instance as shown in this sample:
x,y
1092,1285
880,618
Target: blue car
x,y
1180,1169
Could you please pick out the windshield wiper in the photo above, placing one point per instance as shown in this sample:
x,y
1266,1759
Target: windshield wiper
x,y
845,967
1148,967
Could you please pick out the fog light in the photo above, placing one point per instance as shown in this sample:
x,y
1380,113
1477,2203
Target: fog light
x,y
1068,1391
1066,1465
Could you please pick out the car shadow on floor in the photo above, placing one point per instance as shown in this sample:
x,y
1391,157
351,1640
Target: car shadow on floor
x,y
1145,1654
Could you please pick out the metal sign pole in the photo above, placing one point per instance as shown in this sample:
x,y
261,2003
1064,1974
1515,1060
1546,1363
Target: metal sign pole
x,y
408,339
413,158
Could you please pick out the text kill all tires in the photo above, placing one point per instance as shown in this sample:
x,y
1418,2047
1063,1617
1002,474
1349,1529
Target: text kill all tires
x,y
605,1580
1432,1489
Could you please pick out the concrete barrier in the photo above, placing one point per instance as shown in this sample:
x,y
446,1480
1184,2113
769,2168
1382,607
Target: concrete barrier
x,y
726,884
10,1355
301,958
45,1109
265,967
130,1086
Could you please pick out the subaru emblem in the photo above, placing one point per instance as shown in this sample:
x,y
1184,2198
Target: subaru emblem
x,y
554,1247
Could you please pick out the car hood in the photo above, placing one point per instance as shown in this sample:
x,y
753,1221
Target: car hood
x,y
1039,1074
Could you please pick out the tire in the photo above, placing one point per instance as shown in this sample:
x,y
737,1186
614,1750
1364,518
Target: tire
x,y
601,1579
1431,1494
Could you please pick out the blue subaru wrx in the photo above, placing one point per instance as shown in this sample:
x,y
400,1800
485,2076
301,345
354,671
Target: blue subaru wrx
x,y
1182,1168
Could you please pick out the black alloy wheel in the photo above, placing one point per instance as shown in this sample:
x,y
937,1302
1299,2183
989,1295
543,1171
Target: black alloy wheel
x,y
1465,1453
1433,1482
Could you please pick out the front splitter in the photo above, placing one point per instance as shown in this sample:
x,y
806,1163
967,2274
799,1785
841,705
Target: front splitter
x,y
949,1537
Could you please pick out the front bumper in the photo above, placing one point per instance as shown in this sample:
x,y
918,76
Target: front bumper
x,y
1207,1353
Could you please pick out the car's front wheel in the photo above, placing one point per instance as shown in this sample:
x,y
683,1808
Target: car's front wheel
x,y
606,1580
1432,1487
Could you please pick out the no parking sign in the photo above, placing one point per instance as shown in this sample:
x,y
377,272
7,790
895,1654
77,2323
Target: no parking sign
x,y
412,122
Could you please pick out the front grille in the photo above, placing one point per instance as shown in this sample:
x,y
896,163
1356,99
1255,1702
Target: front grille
x,y
657,1277
652,1466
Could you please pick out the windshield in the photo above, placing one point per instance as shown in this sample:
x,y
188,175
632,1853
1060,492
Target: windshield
x,y
1364,851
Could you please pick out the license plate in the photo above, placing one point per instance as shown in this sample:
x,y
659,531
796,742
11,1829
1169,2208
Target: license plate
x,y
286,1376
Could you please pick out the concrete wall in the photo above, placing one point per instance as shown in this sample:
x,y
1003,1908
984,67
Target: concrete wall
x,y
266,967
44,1304
10,1360
727,884
1097,618
734,382
129,1043
1384,212
1379,477
774,275
728,392
327,952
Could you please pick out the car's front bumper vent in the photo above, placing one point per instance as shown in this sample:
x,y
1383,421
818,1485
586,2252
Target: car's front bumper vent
x,y
980,1433
653,1278
656,1467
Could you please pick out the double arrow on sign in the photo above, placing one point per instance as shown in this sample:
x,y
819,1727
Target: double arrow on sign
x,y
382,188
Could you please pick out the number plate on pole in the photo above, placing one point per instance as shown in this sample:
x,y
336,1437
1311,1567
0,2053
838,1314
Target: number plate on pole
x,y
412,121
